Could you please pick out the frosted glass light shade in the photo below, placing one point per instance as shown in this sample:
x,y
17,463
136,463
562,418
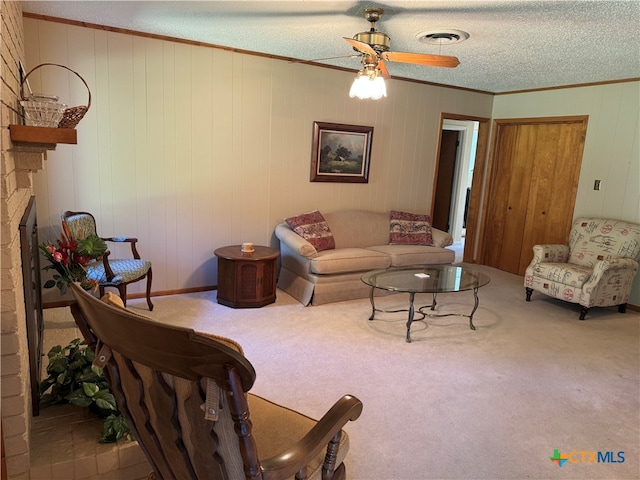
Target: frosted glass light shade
x,y
365,87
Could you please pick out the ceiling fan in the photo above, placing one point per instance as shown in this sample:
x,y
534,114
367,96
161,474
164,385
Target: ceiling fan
x,y
374,46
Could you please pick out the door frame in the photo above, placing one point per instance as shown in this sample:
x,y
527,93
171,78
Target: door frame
x,y
473,233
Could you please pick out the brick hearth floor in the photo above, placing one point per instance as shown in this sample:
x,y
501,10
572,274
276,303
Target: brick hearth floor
x,y
64,446
65,439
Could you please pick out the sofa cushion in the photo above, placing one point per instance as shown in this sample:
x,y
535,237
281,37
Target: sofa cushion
x,y
358,228
343,260
409,229
404,255
313,227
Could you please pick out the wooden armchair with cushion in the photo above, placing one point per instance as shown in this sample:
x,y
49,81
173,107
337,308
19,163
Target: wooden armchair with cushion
x,y
117,273
184,394
596,268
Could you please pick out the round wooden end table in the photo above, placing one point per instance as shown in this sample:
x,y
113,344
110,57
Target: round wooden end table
x,y
247,280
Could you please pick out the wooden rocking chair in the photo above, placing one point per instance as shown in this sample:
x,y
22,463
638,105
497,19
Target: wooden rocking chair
x,y
184,396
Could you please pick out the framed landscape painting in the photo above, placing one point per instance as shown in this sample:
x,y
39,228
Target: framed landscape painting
x,y
340,153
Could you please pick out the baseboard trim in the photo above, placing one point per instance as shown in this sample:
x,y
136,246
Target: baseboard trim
x,y
161,293
164,293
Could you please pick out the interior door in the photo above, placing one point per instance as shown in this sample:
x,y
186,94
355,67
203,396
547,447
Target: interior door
x,y
535,172
445,178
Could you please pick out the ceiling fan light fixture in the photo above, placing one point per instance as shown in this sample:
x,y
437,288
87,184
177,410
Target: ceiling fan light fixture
x,y
442,36
369,84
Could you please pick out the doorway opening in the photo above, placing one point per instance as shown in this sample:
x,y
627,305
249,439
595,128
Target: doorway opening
x,y
456,163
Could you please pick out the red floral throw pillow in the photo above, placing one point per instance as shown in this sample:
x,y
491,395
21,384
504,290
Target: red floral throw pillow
x,y
313,228
409,229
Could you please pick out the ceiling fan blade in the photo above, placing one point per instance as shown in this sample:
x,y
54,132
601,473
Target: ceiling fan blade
x,y
383,69
421,59
361,46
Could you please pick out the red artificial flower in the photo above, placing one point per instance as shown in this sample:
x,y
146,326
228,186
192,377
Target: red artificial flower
x,y
70,265
83,260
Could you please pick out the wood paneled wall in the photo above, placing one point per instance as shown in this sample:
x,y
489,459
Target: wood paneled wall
x,y
190,148
612,145
611,150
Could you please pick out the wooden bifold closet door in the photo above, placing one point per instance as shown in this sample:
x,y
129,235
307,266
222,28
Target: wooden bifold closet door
x,y
534,179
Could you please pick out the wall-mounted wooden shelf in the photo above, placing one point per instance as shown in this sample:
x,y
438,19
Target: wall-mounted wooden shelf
x,y
42,135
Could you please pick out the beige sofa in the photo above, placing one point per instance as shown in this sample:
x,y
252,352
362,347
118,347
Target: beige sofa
x,y
361,244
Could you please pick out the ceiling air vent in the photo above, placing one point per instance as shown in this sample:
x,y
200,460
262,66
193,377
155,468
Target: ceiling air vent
x,y
442,36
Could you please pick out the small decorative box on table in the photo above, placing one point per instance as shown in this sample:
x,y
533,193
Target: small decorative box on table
x,y
247,279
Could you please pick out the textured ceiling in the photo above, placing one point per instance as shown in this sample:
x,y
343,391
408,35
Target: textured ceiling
x,y
514,44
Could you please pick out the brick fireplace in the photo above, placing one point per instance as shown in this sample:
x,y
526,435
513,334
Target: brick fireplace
x,y
18,163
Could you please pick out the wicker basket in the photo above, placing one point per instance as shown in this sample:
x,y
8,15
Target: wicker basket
x,y
72,115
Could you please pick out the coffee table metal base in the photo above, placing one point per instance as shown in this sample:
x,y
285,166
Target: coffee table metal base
x,y
420,311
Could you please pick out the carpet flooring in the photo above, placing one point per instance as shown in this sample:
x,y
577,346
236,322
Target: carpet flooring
x,y
495,403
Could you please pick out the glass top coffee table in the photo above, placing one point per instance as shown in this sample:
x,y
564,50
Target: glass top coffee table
x,y
432,279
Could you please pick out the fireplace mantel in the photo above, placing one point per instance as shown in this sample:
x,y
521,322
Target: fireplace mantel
x,y
30,145
24,134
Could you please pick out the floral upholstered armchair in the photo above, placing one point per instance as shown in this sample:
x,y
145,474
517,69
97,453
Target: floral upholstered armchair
x,y
596,269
